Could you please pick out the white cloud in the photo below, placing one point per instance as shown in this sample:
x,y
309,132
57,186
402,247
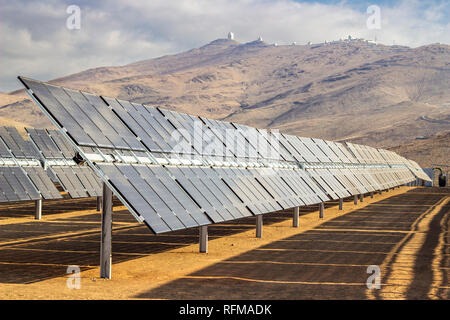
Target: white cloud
x,y
35,42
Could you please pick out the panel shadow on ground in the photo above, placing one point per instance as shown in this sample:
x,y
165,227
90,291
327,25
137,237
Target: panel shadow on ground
x,y
33,251
327,262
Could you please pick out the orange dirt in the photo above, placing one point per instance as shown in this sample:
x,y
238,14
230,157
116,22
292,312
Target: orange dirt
x,y
404,231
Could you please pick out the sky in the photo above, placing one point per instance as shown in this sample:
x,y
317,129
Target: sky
x,y
43,39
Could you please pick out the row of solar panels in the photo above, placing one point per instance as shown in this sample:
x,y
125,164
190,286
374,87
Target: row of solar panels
x,y
175,171
29,168
78,181
102,122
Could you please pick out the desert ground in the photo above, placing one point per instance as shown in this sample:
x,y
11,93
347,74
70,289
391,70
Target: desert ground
x,y
403,231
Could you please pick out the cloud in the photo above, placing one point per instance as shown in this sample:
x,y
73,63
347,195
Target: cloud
x,y
35,41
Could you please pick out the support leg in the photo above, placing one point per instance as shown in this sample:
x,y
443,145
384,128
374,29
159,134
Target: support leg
x,y
355,199
371,195
99,203
105,247
321,209
38,212
259,225
203,241
341,203
295,217
361,197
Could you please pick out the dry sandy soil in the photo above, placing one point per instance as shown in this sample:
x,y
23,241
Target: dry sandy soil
x,y
428,152
404,231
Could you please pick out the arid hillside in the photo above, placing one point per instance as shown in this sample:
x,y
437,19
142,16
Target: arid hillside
x,y
383,96
428,152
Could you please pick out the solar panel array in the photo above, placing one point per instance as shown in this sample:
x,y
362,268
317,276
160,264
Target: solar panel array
x,y
22,177
174,171
56,151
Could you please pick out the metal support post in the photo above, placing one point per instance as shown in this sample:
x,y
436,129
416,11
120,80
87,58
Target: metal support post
x,y
259,225
321,209
295,217
38,212
99,203
203,241
106,240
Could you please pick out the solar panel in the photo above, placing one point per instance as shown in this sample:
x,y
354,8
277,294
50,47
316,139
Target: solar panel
x,y
314,149
43,142
174,171
11,143
43,183
15,186
25,146
340,151
302,150
63,145
324,147
224,193
24,167
70,182
58,154
201,195
84,175
4,152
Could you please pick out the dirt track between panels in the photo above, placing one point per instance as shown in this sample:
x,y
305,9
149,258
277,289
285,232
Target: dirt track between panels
x,y
404,232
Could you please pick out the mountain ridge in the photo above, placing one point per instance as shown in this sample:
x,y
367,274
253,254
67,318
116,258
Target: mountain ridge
x,y
378,95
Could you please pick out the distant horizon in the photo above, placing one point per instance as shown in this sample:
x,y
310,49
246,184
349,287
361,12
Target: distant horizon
x,y
51,40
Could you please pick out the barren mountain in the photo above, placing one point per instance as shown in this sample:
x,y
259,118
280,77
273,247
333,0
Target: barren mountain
x,y
428,152
351,90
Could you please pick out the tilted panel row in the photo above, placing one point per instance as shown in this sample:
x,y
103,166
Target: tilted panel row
x,y
24,159
57,153
174,171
